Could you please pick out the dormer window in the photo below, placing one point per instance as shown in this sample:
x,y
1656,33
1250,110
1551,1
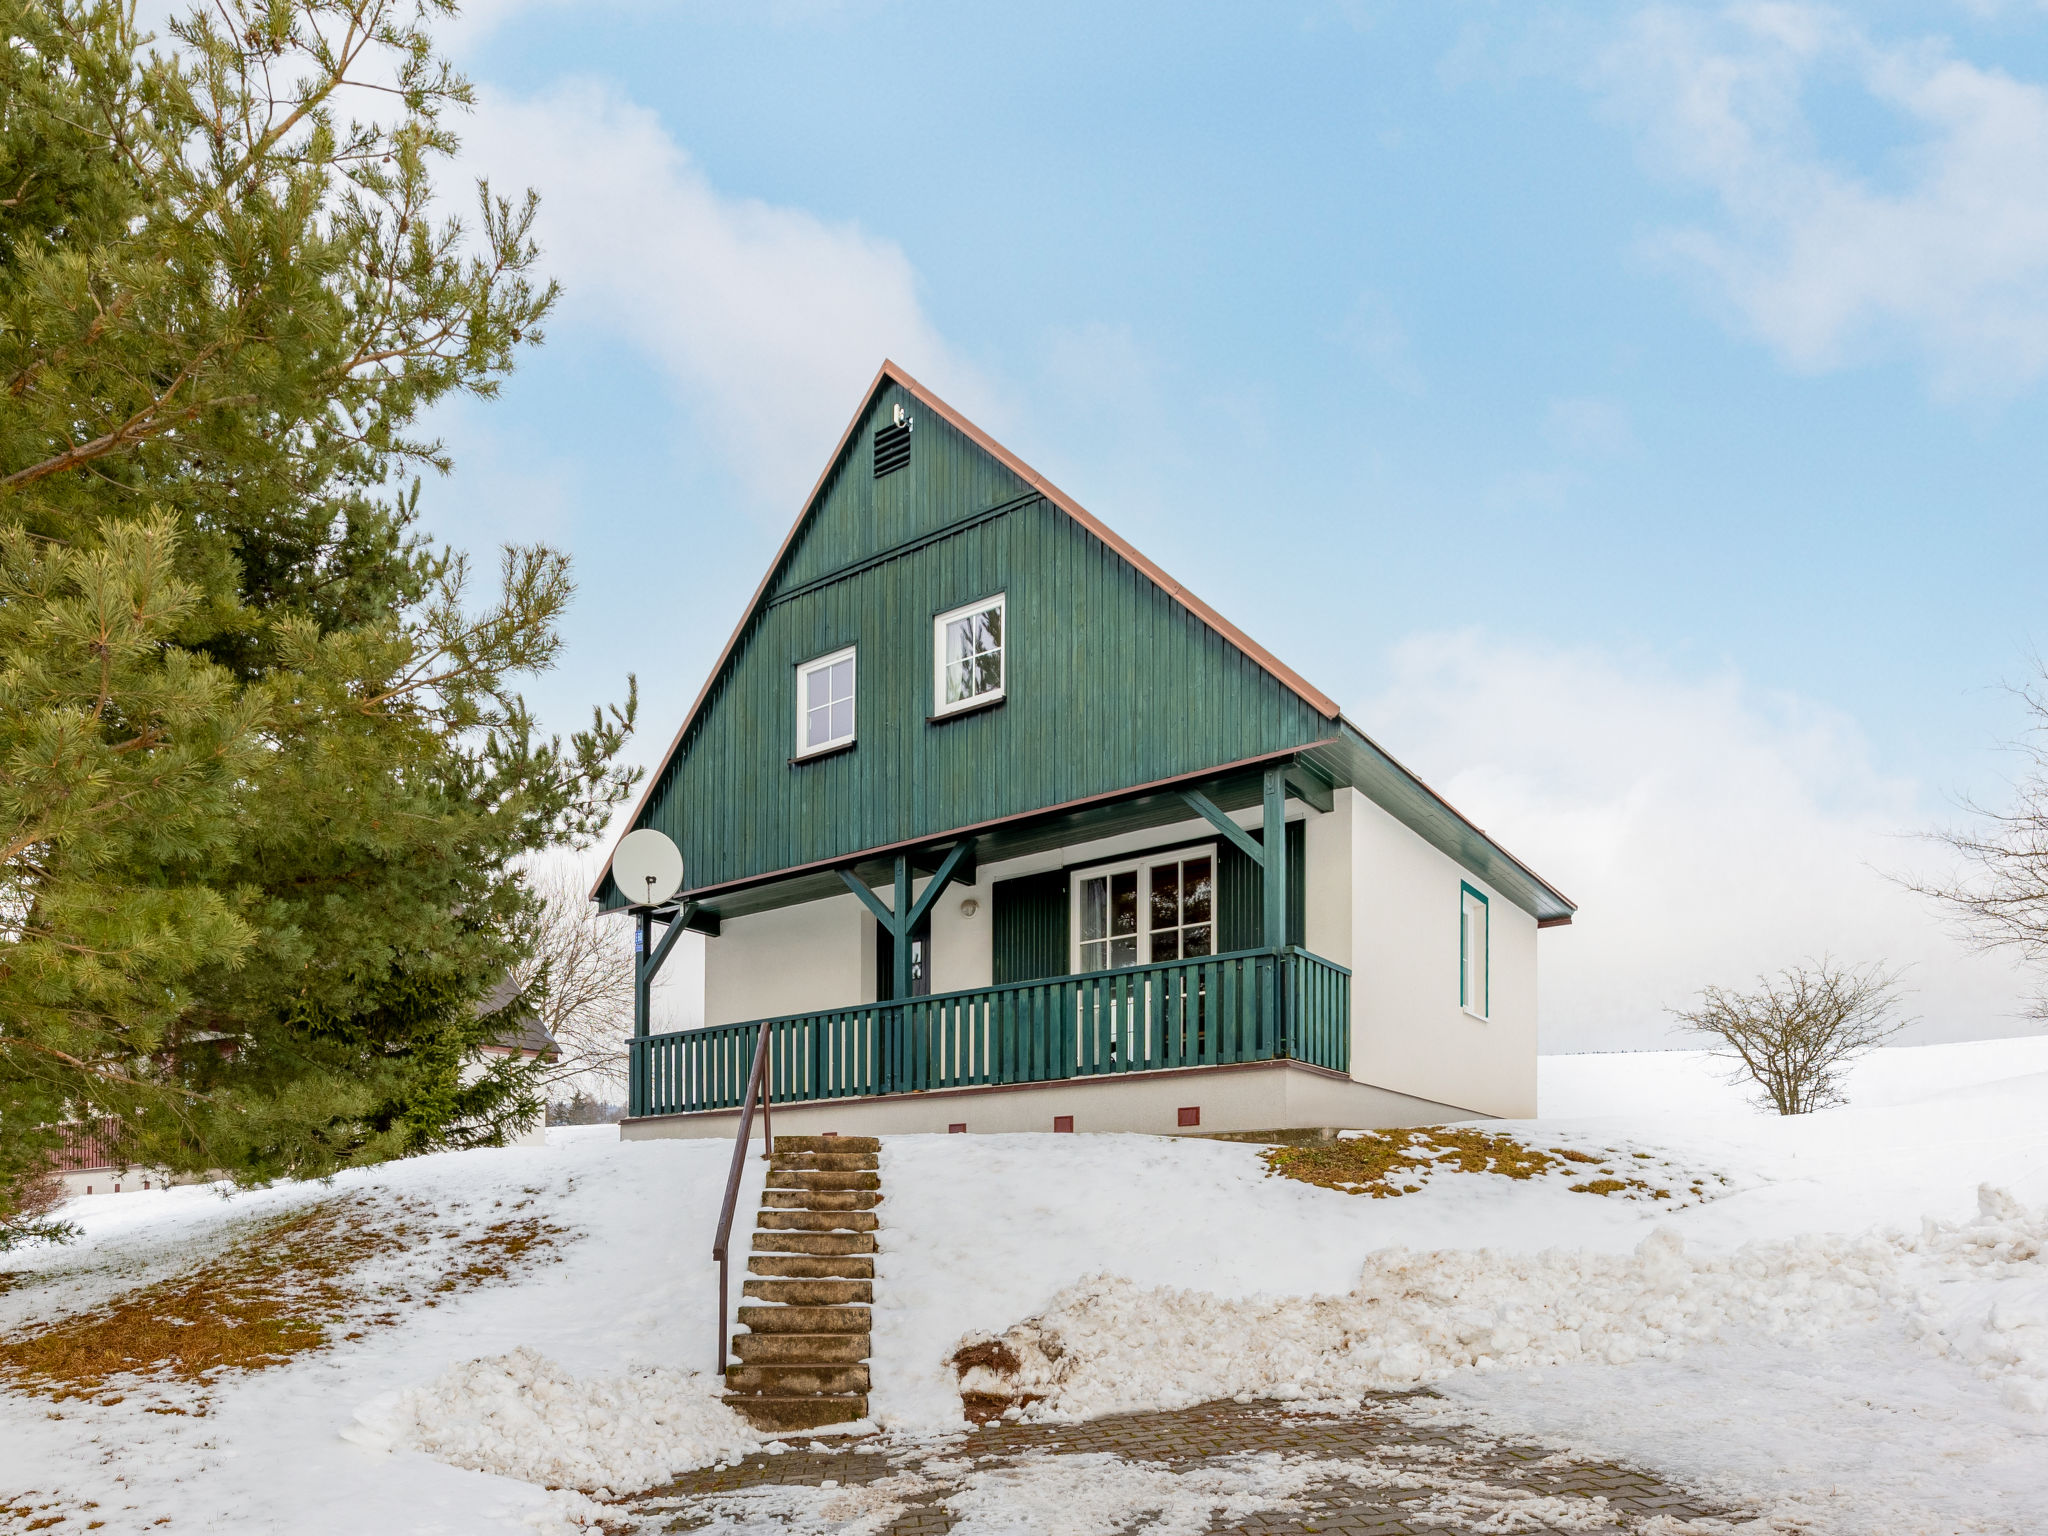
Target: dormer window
x,y
824,703
967,661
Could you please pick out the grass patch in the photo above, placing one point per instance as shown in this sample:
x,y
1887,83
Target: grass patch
x,y
1384,1164
279,1291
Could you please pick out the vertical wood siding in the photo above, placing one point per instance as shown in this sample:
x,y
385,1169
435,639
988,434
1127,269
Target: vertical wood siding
x,y
1111,683
1241,893
1029,920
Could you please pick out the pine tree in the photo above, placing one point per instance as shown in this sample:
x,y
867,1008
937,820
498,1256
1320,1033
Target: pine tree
x,y
227,294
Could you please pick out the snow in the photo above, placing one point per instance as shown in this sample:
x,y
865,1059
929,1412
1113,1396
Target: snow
x,y
1849,1331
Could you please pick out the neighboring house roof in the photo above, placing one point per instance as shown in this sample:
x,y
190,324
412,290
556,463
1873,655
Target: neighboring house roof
x,y
523,1031
84,1150
1351,755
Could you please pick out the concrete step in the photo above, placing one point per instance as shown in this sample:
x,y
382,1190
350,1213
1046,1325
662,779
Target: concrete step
x,y
827,1144
817,1221
791,1413
814,1242
811,1293
819,1200
838,1162
801,1348
822,1178
803,1267
805,1319
794,1380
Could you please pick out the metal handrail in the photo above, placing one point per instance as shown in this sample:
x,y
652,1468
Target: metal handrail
x,y
760,1085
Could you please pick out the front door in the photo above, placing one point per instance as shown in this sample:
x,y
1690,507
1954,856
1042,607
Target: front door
x,y
1155,909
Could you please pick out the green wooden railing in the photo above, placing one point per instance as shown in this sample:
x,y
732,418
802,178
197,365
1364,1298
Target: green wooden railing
x,y
1253,1005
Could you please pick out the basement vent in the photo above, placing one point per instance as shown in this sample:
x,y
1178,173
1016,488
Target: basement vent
x,y
892,445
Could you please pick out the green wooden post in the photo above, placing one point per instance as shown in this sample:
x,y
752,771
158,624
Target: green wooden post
x,y
1274,838
1273,1000
643,983
901,930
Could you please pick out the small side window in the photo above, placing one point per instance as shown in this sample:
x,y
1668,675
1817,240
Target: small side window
x,y
824,703
1473,970
968,656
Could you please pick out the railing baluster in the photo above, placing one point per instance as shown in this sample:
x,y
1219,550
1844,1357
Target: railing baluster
x,y
1244,1006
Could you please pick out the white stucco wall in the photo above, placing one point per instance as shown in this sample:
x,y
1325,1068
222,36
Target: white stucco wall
x,y
1409,1032
791,960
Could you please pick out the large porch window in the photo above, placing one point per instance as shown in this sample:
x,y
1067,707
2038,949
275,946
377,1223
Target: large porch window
x,y
1159,907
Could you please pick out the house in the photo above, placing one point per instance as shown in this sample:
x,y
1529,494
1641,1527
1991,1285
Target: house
x,y
985,812
521,1034
87,1164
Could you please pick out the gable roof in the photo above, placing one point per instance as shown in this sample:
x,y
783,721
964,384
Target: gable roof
x,y
1318,701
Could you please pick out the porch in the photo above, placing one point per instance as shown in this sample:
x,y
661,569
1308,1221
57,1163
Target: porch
x,y
1280,1004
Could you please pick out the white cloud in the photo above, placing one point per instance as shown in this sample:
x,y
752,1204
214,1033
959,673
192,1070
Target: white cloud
x,y
1709,831
768,319
1946,253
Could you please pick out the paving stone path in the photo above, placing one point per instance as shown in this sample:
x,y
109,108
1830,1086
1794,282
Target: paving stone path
x,y
1433,1476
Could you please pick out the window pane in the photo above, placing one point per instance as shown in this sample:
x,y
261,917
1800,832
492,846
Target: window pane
x,y
959,640
1123,902
992,626
1094,957
1199,889
842,679
1166,946
1122,953
842,719
989,667
817,727
1094,909
959,682
817,687
1165,896
1196,942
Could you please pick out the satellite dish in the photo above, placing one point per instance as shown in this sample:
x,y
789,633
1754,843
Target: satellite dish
x,y
647,868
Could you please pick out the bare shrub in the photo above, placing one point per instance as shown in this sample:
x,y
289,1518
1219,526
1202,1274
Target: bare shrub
x,y
1798,1030
28,1219
2000,897
584,965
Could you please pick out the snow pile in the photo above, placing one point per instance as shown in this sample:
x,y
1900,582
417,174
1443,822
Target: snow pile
x,y
1994,1317
521,1415
1109,1346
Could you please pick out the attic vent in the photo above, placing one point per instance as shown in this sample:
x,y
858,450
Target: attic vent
x,y
892,445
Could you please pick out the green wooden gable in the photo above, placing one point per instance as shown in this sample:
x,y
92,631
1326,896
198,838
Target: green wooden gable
x,y
1113,680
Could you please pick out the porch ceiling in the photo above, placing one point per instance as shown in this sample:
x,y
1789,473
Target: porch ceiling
x,y
1350,758
1234,789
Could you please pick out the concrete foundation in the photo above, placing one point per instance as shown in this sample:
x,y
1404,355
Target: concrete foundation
x,y
1257,1096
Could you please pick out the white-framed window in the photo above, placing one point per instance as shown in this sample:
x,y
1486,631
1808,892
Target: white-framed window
x,y
968,665
1474,972
1159,907
824,703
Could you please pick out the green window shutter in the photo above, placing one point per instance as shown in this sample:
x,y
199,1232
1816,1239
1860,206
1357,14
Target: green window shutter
x,y
1030,920
1240,893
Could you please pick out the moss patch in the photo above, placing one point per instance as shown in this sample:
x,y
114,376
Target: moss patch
x,y
1388,1163
279,1291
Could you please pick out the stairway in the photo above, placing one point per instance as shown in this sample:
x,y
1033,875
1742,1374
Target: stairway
x,y
803,1359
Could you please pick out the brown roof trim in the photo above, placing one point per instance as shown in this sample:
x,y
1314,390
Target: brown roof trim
x,y
1553,922
1314,697
880,850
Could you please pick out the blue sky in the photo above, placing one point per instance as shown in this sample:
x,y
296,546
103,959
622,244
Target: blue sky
x,y
1632,414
